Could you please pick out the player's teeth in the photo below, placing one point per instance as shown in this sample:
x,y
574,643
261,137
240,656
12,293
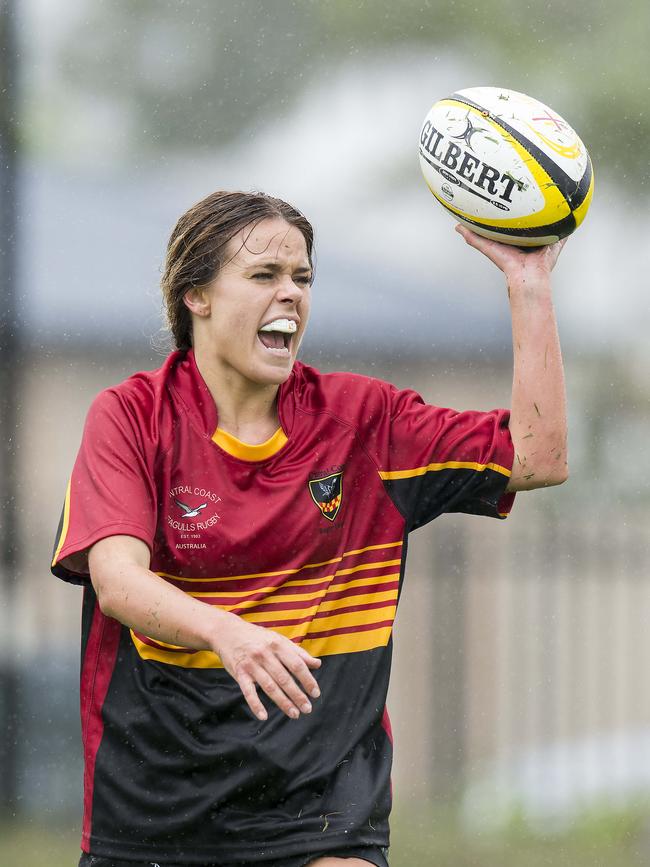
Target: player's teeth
x,y
286,326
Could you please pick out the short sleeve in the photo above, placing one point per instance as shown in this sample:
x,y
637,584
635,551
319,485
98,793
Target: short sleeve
x,y
111,491
438,460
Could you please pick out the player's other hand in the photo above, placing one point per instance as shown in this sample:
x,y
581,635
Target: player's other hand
x,y
513,261
256,656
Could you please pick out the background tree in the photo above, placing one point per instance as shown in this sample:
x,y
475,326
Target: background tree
x,y
194,74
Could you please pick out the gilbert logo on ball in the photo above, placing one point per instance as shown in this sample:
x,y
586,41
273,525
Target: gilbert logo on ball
x,y
506,165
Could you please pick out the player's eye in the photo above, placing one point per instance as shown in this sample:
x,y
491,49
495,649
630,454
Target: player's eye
x,y
262,275
303,279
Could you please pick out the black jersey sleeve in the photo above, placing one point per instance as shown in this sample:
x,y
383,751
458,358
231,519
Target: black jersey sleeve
x,y
438,460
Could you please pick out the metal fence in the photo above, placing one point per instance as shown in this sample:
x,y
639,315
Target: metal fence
x,y
526,648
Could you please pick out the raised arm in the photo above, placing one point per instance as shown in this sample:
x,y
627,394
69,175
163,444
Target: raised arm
x,y
538,408
128,591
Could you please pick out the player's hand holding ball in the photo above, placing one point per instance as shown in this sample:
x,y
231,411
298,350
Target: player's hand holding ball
x,y
516,264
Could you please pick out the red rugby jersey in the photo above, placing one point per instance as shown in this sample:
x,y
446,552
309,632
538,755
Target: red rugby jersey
x,y
305,534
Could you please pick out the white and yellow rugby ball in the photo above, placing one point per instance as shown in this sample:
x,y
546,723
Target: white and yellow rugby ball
x,y
506,165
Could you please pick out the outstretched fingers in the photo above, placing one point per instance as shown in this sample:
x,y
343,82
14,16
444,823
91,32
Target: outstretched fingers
x,y
281,670
282,689
298,662
247,686
277,684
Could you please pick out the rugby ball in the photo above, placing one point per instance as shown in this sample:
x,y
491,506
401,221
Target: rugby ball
x,y
506,165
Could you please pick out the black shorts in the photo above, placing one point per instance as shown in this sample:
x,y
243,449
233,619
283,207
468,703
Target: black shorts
x,y
374,854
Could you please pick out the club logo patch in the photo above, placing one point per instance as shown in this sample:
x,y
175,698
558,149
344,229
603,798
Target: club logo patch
x,y
327,493
191,512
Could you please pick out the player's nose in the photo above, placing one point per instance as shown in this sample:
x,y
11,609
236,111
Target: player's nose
x,y
288,290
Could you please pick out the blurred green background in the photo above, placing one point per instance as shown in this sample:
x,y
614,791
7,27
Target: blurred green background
x,y
520,699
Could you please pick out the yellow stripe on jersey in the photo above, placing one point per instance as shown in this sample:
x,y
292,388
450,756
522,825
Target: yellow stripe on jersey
x,y
287,571
242,604
64,526
363,566
325,646
351,639
356,630
312,582
351,619
348,643
448,465
262,617
246,451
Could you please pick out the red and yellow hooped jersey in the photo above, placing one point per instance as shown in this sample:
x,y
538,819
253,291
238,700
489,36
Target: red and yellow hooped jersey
x,y
304,534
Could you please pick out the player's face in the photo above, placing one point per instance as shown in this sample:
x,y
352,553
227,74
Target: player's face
x,y
259,303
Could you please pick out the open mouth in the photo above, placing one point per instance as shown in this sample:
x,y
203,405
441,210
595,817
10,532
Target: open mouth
x,y
276,336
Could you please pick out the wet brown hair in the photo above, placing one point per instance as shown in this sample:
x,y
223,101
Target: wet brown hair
x,y
197,247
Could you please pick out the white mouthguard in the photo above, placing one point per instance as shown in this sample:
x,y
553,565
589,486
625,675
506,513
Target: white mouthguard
x,y
285,326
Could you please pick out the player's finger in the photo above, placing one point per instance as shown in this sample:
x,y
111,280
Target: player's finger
x,y
554,251
473,238
298,667
492,249
247,686
268,684
311,661
465,232
281,672
560,246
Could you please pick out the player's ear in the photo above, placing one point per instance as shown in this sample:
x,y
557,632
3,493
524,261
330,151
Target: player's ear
x,y
197,301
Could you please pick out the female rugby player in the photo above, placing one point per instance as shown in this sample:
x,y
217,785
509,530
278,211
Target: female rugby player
x,y
239,523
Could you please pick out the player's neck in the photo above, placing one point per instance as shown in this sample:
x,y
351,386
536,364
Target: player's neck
x,y
245,409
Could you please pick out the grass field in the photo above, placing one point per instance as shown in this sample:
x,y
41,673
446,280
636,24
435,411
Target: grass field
x,y
420,839
603,839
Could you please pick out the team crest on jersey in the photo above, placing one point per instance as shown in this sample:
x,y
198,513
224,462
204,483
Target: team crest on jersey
x,y
327,493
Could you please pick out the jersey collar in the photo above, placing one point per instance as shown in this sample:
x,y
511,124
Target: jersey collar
x,y
190,388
